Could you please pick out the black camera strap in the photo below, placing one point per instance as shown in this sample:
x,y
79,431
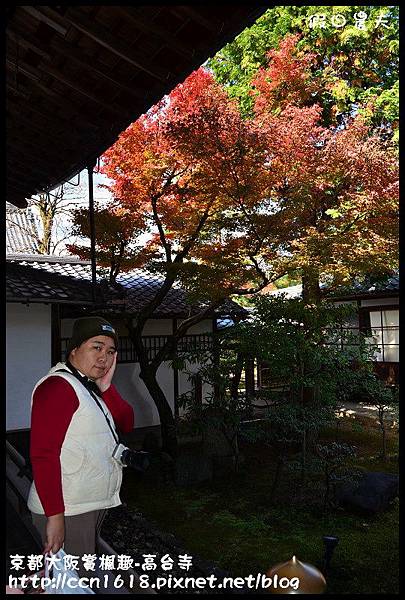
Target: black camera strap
x,y
91,388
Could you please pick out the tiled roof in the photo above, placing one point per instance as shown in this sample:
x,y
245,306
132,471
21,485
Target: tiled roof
x,y
293,291
134,290
67,266
369,287
26,283
21,231
141,287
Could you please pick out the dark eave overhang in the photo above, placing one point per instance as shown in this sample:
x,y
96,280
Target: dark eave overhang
x,y
77,76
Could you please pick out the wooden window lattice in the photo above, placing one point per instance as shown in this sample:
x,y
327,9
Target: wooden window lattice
x,y
153,343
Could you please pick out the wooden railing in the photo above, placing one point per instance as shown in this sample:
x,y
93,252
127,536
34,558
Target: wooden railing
x,y
18,479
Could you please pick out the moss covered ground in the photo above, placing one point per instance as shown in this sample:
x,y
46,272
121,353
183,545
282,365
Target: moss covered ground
x,y
232,522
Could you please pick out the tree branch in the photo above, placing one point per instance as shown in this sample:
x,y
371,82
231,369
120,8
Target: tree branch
x,y
136,337
146,312
158,222
187,247
181,330
266,281
350,225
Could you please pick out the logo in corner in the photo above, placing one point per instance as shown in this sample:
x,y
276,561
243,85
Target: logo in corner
x,y
107,328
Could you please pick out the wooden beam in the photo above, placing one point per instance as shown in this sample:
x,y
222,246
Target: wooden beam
x,y
60,99
18,183
64,49
30,175
88,62
74,85
43,15
149,27
52,119
33,173
19,91
36,74
18,120
18,159
27,41
212,24
15,187
42,154
18,66
48,110
101,35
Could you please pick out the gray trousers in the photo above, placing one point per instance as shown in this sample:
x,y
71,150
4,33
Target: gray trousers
x,y
81,532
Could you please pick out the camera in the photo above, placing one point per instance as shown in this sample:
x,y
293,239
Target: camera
x,y
136,459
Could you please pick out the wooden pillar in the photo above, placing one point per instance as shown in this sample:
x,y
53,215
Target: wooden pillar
x,y
92,232
249,378
175,375
197,381
215,352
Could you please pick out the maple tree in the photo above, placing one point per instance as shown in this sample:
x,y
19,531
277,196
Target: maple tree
x,y
234,203
334,189
335,186
349,227
193,173
115,231
358,60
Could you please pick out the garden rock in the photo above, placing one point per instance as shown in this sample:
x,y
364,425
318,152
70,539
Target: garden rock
x,y
223,466
220,441
192,467
372,494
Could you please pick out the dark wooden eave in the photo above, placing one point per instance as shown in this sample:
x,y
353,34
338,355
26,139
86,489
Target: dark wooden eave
x,y
79,75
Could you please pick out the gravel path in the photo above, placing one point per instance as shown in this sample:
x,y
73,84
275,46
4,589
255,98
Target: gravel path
x,y
129,533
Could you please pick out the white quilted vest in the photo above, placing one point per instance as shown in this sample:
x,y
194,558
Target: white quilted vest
x,y
91,478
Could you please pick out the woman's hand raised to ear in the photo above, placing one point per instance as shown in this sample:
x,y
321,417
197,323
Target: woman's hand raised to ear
x,y
105,381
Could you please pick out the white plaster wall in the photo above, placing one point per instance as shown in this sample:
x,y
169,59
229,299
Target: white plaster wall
x,y
158,327
379,301
202,327
28,347
133,390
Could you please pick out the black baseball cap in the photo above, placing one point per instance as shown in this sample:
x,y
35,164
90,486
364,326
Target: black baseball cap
x,y
88,327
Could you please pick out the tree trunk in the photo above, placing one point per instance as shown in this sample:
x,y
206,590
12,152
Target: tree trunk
x,y
167,420
277,477
47,223
237,374
382,429
304,460
47,215
311,292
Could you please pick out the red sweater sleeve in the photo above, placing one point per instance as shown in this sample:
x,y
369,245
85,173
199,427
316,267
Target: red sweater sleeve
x,y
53,406
122,412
